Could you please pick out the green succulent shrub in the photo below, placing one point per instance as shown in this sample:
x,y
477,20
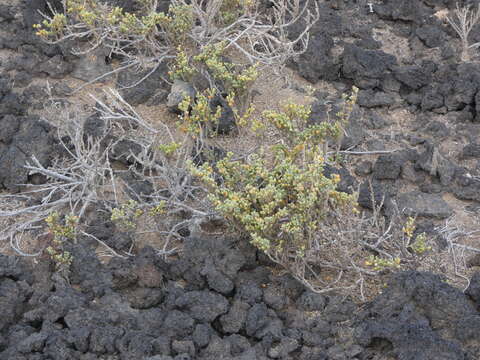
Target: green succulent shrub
x,y
280,196
61,231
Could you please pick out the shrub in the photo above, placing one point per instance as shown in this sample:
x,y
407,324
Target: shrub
x,y
60,232
280,196
190,28
281,200
463,21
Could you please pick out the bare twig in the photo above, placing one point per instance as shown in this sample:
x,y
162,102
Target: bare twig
x,y
463,21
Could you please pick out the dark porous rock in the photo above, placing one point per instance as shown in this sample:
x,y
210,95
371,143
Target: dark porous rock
x,y
13,298
204,306
413,98
374,193
137,91
369,43
10,125
125,151
375,121
12,104
216,279
179,91
437,129
458,84
473,290
183,347
476,119
178,324
275,297
119,241
316,62
410,174
364,168
416,203
339,309
35,95
436,164
182,357
92,65
61,89
407,10
33,343
355,135
418,316
313,353
25,136
249,291
202,334
226,122
329,22
370,99
94,127
122,272
310,301
284,348
235,319
56,67
347,184
388,166
6,13
415,77
135,344
366,65
15,270
432,99
137,188
200,253
431,35
239,344
22,79
466,186
260,322
471,151
94,279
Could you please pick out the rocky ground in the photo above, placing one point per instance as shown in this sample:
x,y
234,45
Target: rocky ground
x,y
417,125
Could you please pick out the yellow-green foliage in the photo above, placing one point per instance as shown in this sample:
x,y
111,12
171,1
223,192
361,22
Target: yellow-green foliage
x,y
379,264
150,30
169,149
126,215
181,68
49,28
91,15
232,9
158,209
409,227
182,21
280,196
234,79
195,115
419,246
231,77
61,232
